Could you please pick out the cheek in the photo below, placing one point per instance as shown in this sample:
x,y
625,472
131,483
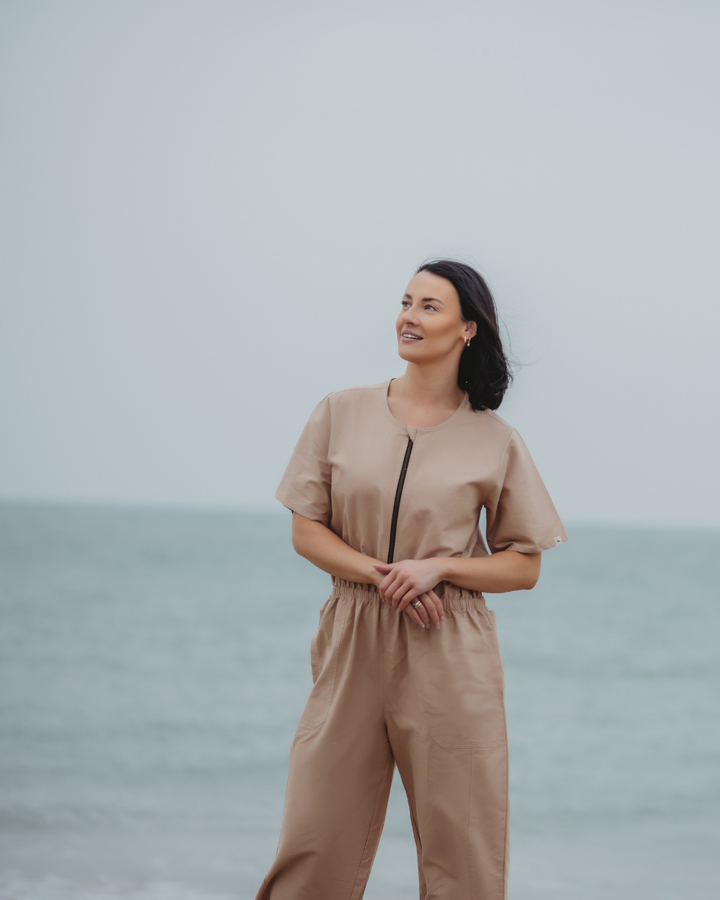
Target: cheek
x,y
441,328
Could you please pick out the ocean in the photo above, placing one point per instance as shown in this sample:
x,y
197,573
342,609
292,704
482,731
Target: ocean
x,y
154,663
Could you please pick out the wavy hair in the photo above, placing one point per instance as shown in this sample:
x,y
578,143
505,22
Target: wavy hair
x,y
484,370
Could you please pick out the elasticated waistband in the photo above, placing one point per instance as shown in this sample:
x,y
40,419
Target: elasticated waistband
x,y
452,597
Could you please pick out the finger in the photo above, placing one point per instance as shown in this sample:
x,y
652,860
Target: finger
x,y
432,612
402,605
438,604
410,596
405,594
383,569
421,611
412,614
383,588
403,590
396,591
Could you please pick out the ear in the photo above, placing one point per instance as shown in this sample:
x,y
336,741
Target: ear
x,y
470,329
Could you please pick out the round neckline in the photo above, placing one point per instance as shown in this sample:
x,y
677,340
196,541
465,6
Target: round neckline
x,y
464,402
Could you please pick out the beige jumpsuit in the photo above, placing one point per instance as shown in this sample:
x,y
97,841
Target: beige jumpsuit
x,y
385,691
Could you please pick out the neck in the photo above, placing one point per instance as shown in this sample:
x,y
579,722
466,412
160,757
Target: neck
x,y
433,384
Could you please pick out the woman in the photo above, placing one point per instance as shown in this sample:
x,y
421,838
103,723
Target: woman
x,y
386,486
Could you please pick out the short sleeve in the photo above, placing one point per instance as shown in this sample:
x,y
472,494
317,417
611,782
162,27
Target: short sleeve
x,y
305,486
520,513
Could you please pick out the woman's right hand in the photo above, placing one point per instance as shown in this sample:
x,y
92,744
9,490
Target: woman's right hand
x,y
410,582
430,613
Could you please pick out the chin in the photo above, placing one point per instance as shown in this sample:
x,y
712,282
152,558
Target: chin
x,y
409,353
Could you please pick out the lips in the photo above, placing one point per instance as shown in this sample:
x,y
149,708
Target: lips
x,y
409,336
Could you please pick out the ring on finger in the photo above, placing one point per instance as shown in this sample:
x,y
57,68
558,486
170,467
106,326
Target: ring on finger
x,y
416,604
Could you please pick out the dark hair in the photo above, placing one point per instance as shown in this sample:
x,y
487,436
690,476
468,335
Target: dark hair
x,y
484,370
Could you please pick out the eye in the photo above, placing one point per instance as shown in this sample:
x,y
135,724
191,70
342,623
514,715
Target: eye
x,y
404,303
430,306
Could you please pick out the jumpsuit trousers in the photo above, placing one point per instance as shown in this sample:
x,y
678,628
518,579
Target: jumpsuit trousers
x,y
430,701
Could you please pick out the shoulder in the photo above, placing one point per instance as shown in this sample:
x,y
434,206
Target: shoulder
x,y
358,396
359,391
489,425
496,422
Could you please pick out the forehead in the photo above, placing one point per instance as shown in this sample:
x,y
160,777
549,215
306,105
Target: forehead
x,y
426,284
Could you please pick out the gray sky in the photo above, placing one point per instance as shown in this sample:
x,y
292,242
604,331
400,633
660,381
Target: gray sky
x,y
210,211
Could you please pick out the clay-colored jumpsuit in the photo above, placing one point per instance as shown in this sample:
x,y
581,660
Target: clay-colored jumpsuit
x,y
386,691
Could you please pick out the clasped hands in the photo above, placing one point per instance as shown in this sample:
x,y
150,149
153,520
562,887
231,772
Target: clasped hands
x,y
409,581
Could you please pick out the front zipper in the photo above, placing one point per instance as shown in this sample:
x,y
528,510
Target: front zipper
x,y
398,495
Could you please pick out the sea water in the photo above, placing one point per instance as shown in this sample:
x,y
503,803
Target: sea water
x,y
153,666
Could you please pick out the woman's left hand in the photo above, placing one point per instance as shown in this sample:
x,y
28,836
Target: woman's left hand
x,y
407,579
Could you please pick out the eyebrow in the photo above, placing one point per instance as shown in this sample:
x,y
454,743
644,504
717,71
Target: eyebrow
x,y
425,299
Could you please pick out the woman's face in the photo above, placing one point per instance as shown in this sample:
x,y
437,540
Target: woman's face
x,y
430,326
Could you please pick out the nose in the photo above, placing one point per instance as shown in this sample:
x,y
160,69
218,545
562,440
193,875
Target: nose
x,y
408,317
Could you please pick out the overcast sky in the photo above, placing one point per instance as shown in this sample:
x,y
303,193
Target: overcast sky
x,y
211,209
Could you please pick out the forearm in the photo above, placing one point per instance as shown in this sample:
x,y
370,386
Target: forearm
x,y
505,571
324,549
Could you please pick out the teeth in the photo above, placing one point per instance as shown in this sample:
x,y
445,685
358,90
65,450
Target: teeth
x,y
415,337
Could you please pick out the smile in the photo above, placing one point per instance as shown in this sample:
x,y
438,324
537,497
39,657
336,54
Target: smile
x,y
408,336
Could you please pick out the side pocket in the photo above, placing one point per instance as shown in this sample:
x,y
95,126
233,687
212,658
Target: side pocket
x,y
324,651
462,684
315,654
496,642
